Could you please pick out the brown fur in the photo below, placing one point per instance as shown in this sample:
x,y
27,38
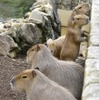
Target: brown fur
x,y
83,8
67,73
73,38
55,46
38,87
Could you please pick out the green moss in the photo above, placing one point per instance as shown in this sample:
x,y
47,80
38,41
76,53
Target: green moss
x,y
14,8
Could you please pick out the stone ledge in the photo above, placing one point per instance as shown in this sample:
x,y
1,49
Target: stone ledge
x,y
94,40
92,71
90,93
93,52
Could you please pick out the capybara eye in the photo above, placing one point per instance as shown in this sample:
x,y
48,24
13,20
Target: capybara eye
x,y
24,76
32,50
78,19
79,7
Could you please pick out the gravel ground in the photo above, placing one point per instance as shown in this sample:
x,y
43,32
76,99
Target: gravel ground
x,y
8,68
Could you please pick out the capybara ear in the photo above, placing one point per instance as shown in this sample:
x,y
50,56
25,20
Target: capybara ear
x,y
33,73
37,68
38,47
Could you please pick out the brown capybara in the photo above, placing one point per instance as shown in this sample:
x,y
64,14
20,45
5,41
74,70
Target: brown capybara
x,y
83,8
39,87
66,73
55,46
73,38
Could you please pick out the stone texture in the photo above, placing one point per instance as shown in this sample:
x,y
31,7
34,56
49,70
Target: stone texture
x,y
31,33
37,26
93,52
94,40
7,46
91,80
37,16
92,71
91,92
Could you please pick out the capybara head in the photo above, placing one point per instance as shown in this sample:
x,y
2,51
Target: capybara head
x,y
51,46
83,8
31,53
37,51
80,20
23,80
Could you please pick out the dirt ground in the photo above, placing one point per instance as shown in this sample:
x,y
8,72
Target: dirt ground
x,y
8,68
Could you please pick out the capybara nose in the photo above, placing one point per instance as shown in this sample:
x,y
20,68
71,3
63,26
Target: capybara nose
x,y
12,81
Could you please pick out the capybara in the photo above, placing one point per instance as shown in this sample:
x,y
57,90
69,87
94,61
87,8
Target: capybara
x,y
55,46
66,73
83,8
39,87
73,38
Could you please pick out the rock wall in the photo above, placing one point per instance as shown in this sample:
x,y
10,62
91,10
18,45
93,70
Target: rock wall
x,y
91,81
17,35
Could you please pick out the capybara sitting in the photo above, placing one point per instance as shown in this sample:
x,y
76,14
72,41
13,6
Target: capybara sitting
x,y
39,87
66,73
73,38
55,46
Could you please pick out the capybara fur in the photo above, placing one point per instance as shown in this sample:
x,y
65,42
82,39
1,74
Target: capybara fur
x,y
39,87
83,8
73,38
55,46
66,73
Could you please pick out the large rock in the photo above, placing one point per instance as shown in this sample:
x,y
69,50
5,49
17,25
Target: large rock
x,y
7,46
30,33
37,16
46,8
25,34
37,26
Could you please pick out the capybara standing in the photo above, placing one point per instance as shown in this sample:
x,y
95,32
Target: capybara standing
x,y
83,8
55,46
73,38
66,73
39,87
